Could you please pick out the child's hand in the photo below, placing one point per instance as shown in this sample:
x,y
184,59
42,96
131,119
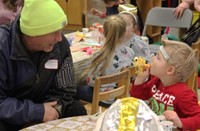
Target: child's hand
x,y
172,116
95,12
142,76
178,12
98,13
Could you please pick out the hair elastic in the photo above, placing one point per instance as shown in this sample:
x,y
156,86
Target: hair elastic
x,y
164,53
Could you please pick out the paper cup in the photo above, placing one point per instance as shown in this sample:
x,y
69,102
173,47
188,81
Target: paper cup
x,y
100,29
161,118
167,125
85,30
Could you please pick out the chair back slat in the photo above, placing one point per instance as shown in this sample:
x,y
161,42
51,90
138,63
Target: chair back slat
x,y
115,78
122,89
120,92
132,71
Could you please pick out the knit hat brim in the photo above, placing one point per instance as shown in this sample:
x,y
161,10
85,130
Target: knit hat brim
x,y
47,17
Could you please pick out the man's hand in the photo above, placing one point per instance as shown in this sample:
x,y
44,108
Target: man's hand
x,y
50,113
172,115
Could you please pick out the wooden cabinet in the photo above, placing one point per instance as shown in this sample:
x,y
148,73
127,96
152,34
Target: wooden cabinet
x,y
74,9
144,6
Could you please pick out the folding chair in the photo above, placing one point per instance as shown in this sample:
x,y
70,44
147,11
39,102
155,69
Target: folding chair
x,y
164,17
121,91
132,71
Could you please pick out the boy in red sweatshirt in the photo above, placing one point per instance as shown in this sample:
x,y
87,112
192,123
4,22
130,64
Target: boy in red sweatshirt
x,y
167,91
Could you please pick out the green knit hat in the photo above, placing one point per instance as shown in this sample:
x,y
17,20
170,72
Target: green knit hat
x,y
40,17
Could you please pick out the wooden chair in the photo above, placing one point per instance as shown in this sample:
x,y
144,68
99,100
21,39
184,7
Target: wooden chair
x,y
192,82
132,71
196,46
121,91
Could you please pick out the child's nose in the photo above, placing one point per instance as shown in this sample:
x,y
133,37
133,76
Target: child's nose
x,y
152,57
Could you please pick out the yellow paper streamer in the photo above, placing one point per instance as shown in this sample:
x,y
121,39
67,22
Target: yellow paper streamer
x,y
128,114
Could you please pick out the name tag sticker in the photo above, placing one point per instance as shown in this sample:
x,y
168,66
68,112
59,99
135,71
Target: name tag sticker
x,y
51,64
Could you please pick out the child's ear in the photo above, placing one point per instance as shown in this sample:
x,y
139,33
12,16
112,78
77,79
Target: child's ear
x,y
171,70
134,28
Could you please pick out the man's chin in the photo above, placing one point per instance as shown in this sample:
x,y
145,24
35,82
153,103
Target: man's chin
x,y
48,49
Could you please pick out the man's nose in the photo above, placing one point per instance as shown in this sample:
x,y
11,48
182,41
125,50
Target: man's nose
x,y
58,37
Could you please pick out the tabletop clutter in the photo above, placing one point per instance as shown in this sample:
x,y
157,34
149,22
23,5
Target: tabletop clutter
x,y
127,114
83,45
124,114
88,40
131,114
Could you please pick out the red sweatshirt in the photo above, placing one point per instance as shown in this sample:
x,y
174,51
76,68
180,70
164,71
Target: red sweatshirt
x,y
177,97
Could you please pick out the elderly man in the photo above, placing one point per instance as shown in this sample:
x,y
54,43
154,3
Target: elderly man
x,y
36,69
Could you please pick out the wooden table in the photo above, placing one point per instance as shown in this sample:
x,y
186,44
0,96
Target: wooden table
x,y
80,123
81,59
77,123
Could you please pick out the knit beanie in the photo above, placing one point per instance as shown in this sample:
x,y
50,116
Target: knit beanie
x,y
40,17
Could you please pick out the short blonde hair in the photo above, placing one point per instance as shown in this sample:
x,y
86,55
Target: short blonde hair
x,y
182,57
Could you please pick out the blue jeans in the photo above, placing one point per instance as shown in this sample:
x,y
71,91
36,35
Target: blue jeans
x,y
86,93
